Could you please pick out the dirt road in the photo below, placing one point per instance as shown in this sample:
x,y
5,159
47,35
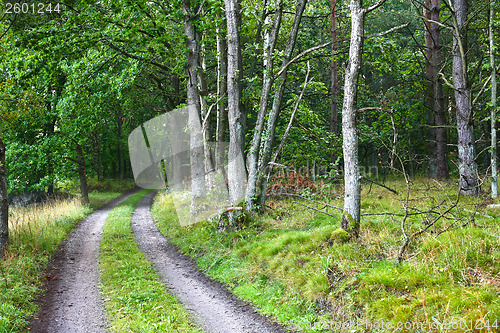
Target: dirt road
x,y
213,308
73,302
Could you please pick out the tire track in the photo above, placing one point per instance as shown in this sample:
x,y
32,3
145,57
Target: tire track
x,y
72,301
212,306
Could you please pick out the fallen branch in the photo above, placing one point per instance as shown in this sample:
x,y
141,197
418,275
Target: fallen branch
x,y
318,202
315,209
408,238
382,185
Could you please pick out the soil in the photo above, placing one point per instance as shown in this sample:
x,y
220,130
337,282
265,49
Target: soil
x,y
72,301
211,305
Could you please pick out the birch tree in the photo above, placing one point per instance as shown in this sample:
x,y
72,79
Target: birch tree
x,y
4,203
333,74
194,107
494,175
352,195
270,131
236,168
268,80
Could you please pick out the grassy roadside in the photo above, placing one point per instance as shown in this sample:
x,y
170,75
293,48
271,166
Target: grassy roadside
x,y
135,298
35,234
291,263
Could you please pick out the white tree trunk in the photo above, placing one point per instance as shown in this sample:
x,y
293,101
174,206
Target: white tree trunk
x,y
352,197
253,155
236,168
269,134
221,104
194,109
4,202
494,172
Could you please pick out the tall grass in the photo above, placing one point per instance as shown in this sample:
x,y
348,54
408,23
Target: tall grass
x,y
35,233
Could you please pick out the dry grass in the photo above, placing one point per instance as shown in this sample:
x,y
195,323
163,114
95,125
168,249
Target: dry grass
x,y
41,216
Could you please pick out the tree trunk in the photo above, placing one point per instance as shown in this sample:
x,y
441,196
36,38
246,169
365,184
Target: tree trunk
x,y
220,133
253,154
430,75
469,184
194,108
99,156
268,142
494,173
352,196
439,149
334,77
4,202
82,174
207,127
119,123
236,168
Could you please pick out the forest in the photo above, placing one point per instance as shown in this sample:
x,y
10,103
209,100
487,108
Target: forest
x,y
333,164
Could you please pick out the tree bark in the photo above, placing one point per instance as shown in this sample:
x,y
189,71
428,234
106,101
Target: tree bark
x,y
119,123
352,193
4,202
82,174
207,127
236,168
334,77
220,132
269,134
469,183
253,154
98,156
494,172
438,147
194,108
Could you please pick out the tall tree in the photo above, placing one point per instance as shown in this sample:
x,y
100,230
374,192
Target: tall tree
x,y
334,75
439,159
198,189
494,172
267,84
469,183
236,168
220,132
4,202
270,132
352,195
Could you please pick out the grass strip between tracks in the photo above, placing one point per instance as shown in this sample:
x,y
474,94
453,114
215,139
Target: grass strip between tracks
x,y
135,299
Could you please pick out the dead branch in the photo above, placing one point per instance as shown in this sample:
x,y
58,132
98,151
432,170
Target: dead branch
x,y
382,185
315,209
318,202
409,238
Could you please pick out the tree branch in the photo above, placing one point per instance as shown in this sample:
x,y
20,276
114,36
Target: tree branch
x,y
374,6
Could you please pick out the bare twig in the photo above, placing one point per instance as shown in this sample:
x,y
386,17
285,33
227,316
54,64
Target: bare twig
x,y
318,202
317,210
382,185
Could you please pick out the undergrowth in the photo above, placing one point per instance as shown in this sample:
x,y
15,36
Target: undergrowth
x,y
295,265
135,298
